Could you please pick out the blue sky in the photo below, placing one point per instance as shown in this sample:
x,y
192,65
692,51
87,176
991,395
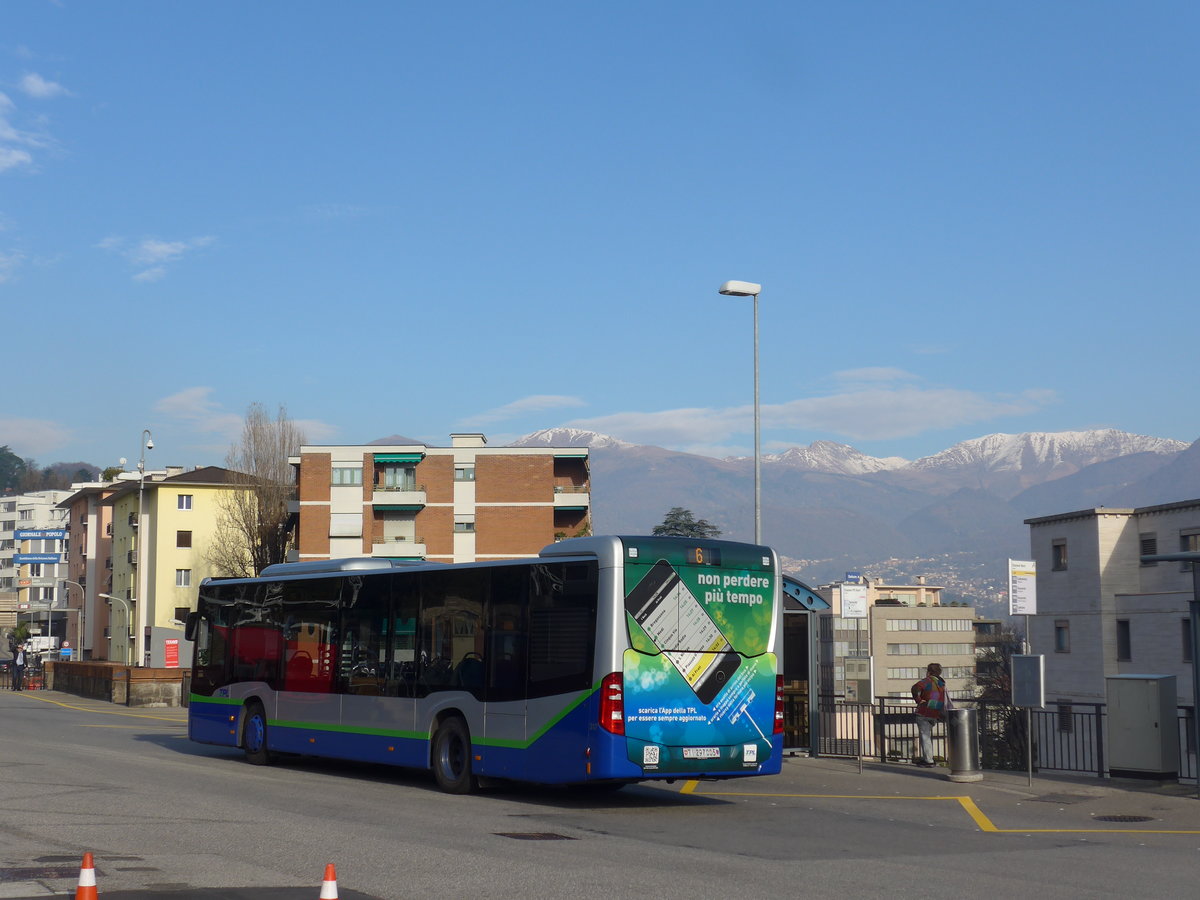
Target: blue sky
x,y
412,218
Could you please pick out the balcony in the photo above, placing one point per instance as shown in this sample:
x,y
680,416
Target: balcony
x,y
404,495
405,547
572,496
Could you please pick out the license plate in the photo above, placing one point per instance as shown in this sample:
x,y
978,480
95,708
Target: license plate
x,y
701,752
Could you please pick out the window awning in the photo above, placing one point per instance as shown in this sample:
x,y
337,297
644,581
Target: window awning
x,y
398,507
399,457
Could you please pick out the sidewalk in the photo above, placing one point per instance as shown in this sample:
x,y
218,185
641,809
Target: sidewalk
x,y
1005,801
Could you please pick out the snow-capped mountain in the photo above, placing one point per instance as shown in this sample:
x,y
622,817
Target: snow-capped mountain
x,y
829,456
828,508
1045,452
568,437
1007,464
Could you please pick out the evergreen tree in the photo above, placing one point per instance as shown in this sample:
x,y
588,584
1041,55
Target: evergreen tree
x,y
681,523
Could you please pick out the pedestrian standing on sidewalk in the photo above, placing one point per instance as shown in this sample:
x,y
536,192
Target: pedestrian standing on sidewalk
x,y
932,701
18,668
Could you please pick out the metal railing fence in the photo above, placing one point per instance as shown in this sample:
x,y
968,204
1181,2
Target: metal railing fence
x,y
1068,738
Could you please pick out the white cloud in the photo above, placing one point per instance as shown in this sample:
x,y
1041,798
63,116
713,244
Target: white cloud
x,y
9,262
14,142
32,437
871,404
150,274
195,408
150,255
35,85
11,159
533,404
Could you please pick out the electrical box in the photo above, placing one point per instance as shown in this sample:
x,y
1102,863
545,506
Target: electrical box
x,y
1143,731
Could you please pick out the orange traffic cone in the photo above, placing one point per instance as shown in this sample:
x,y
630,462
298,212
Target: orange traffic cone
x,y
87,880
328,886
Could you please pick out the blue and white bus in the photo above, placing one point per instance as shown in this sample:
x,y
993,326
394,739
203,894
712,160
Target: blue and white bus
x,y
604,660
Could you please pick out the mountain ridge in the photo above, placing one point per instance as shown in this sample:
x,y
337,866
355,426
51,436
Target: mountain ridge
x,y
954,516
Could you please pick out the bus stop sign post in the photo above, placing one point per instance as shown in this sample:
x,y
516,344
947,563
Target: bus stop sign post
x,y
1194,608
1029,691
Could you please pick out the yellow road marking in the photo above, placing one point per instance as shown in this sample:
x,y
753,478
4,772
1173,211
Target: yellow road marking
x,y
985,824
104,712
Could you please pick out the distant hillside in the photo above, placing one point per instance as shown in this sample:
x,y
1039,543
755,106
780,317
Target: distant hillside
x,y
827,508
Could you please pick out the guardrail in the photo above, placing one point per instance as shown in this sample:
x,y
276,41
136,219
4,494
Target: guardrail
x,y
1068,738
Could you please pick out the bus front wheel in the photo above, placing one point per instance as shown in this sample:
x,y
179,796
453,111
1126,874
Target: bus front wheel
x,y
452,757
254,735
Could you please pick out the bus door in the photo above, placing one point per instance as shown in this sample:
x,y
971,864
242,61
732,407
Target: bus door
x,y
505,670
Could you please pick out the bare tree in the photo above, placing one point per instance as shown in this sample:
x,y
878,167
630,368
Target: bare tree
x,y
253,525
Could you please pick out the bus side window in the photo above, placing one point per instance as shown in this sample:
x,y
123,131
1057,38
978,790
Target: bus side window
x,y
507,640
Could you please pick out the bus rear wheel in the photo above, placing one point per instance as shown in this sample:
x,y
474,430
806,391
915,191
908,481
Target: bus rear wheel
x,y
254,735
452,757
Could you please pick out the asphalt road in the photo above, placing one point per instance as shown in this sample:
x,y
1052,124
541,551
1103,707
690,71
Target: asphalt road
x,y
168,818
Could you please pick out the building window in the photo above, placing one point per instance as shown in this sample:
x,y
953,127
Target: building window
x,y
464,525
464,473
183,578
1188,652
185,501
183,539
1189,542
1124,641
1062,636
1149,547
346,475
181,613
345,525
904,649
399,478
1058,555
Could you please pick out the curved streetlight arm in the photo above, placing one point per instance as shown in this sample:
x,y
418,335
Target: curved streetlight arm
x,y
82,612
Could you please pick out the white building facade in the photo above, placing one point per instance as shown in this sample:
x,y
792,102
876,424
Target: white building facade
x,y
1101,611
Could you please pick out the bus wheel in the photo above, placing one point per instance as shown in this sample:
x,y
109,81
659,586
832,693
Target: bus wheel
x,y
254,735
452,757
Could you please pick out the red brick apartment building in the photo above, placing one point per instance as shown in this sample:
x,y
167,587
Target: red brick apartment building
x,y
460,503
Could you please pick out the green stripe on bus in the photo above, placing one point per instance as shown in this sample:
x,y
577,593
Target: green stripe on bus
x,y
411,735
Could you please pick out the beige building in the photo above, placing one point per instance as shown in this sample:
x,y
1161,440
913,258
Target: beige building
x,y
159,557
460,503
883,653
1101,611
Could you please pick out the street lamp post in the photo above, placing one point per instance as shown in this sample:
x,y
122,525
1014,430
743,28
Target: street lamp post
x,y
143,593
82,614
124,603
750,289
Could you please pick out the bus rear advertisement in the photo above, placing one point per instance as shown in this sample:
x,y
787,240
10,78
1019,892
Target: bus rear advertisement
x,y
603,660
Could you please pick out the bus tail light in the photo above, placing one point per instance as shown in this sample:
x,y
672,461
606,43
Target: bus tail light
x,y
612,703
778,705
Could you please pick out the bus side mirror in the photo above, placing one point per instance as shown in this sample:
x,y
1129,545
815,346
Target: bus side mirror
x,y
191,625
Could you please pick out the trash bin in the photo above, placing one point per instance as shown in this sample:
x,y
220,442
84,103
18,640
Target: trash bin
x,y
962,745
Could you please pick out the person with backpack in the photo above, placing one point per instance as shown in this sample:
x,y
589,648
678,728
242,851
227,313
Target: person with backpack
x,y
932,703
